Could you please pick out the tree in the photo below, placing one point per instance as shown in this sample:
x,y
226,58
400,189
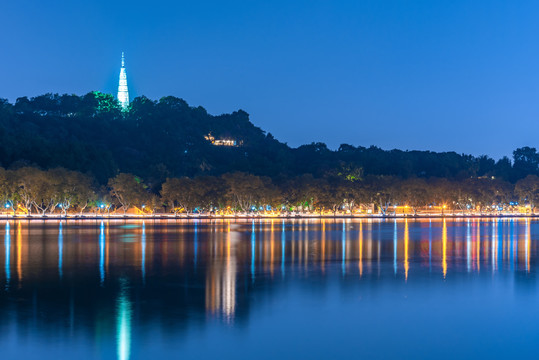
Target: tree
x,y
383,191
527,190
127,190
323,195
73,189
180,194
443,192
211,192
34,189
243,190
299,192
47,183
269,195
153,202
525,162
8,190
414,193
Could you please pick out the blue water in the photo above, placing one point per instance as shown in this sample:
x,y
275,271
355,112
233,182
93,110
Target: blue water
x,y
269,289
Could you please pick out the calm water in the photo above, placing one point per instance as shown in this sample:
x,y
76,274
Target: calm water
x,y
269,289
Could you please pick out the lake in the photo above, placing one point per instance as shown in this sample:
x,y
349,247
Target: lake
x,y
269,289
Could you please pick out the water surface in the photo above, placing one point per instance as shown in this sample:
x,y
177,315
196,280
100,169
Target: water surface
x,y
268,289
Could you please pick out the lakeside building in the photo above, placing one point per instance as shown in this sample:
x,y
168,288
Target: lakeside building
x,y
123,92
220,142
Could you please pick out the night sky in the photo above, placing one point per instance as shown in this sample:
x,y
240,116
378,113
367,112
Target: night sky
x,y
429,75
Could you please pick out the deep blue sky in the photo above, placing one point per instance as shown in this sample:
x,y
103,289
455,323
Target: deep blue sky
x,y
438,75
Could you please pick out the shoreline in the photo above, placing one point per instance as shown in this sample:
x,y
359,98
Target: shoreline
x,y
261,217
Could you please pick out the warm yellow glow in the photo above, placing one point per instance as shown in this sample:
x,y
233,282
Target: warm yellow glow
x,y
323,244
107,245
220,142
478,247
229,281
143,211
19,252
228,242
495,259
504,245
406,240
360,248
272,248
486,247
22,209
221,278
528,233
444,248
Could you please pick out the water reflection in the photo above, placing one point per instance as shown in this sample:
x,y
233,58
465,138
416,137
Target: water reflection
x,y
527,245
19,252
406,244
7,250
487,243
60,251
430,245
283,248
360,246
444,247
221,279
395,240
123,322
143,249
102,242
253,252
109,280
195,241
343,248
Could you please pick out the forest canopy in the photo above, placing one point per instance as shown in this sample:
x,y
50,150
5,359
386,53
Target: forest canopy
x,y
166,138
74,153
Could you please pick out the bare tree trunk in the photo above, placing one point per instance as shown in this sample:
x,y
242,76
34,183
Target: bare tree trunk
x,y
84,207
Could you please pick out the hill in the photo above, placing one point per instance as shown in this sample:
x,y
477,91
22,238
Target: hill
x,y
166,138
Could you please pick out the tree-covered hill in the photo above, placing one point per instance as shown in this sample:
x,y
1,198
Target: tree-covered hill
x,y
154,139
166,138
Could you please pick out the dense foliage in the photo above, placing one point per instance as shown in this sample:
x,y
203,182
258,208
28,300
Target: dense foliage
x,y
74,151
165,138
58,190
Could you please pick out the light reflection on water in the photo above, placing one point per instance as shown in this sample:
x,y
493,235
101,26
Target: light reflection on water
x,y
7,245
77,285
60,250
102,242
123,322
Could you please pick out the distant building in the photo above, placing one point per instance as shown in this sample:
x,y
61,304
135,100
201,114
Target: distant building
x,y
220,142
123,93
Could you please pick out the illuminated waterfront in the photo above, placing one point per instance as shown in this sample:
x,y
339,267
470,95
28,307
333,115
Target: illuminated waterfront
x,y
269,288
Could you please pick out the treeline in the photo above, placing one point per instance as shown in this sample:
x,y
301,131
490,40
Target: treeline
x,y
58,190
165,139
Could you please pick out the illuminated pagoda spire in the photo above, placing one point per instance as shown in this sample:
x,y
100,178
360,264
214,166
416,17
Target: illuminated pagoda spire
x,y
123,93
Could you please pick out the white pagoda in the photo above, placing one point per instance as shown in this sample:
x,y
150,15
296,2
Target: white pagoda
x,y
123,93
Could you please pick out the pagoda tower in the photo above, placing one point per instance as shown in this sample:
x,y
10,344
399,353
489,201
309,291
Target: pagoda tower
x,y
123,93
